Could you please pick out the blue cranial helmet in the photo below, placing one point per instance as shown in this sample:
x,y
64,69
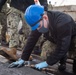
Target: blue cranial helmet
x,y
33,14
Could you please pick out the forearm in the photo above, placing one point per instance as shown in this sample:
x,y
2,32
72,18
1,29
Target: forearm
x,y
64,34
32,39
60,51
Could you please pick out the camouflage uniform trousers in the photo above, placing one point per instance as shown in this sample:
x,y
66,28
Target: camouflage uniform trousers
x,y
26,31
47,48
13,19
3,23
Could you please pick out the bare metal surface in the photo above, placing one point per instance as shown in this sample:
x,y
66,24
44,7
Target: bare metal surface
x,y
4,70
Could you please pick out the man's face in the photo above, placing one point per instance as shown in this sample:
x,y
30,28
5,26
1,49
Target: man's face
x,y
43,27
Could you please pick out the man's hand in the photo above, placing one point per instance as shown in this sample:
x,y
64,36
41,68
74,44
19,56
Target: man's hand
x,y
37,2
41,65
18,64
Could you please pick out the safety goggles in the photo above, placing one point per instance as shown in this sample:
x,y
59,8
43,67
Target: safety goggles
x,y
36,22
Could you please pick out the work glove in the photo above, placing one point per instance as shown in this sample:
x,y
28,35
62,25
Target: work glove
x,y
41,65
18,63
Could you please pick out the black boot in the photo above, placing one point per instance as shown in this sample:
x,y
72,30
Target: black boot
x,y
74,65
62,62
62,67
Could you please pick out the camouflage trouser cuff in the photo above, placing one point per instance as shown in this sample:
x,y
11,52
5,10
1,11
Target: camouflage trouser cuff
x,y
13,45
